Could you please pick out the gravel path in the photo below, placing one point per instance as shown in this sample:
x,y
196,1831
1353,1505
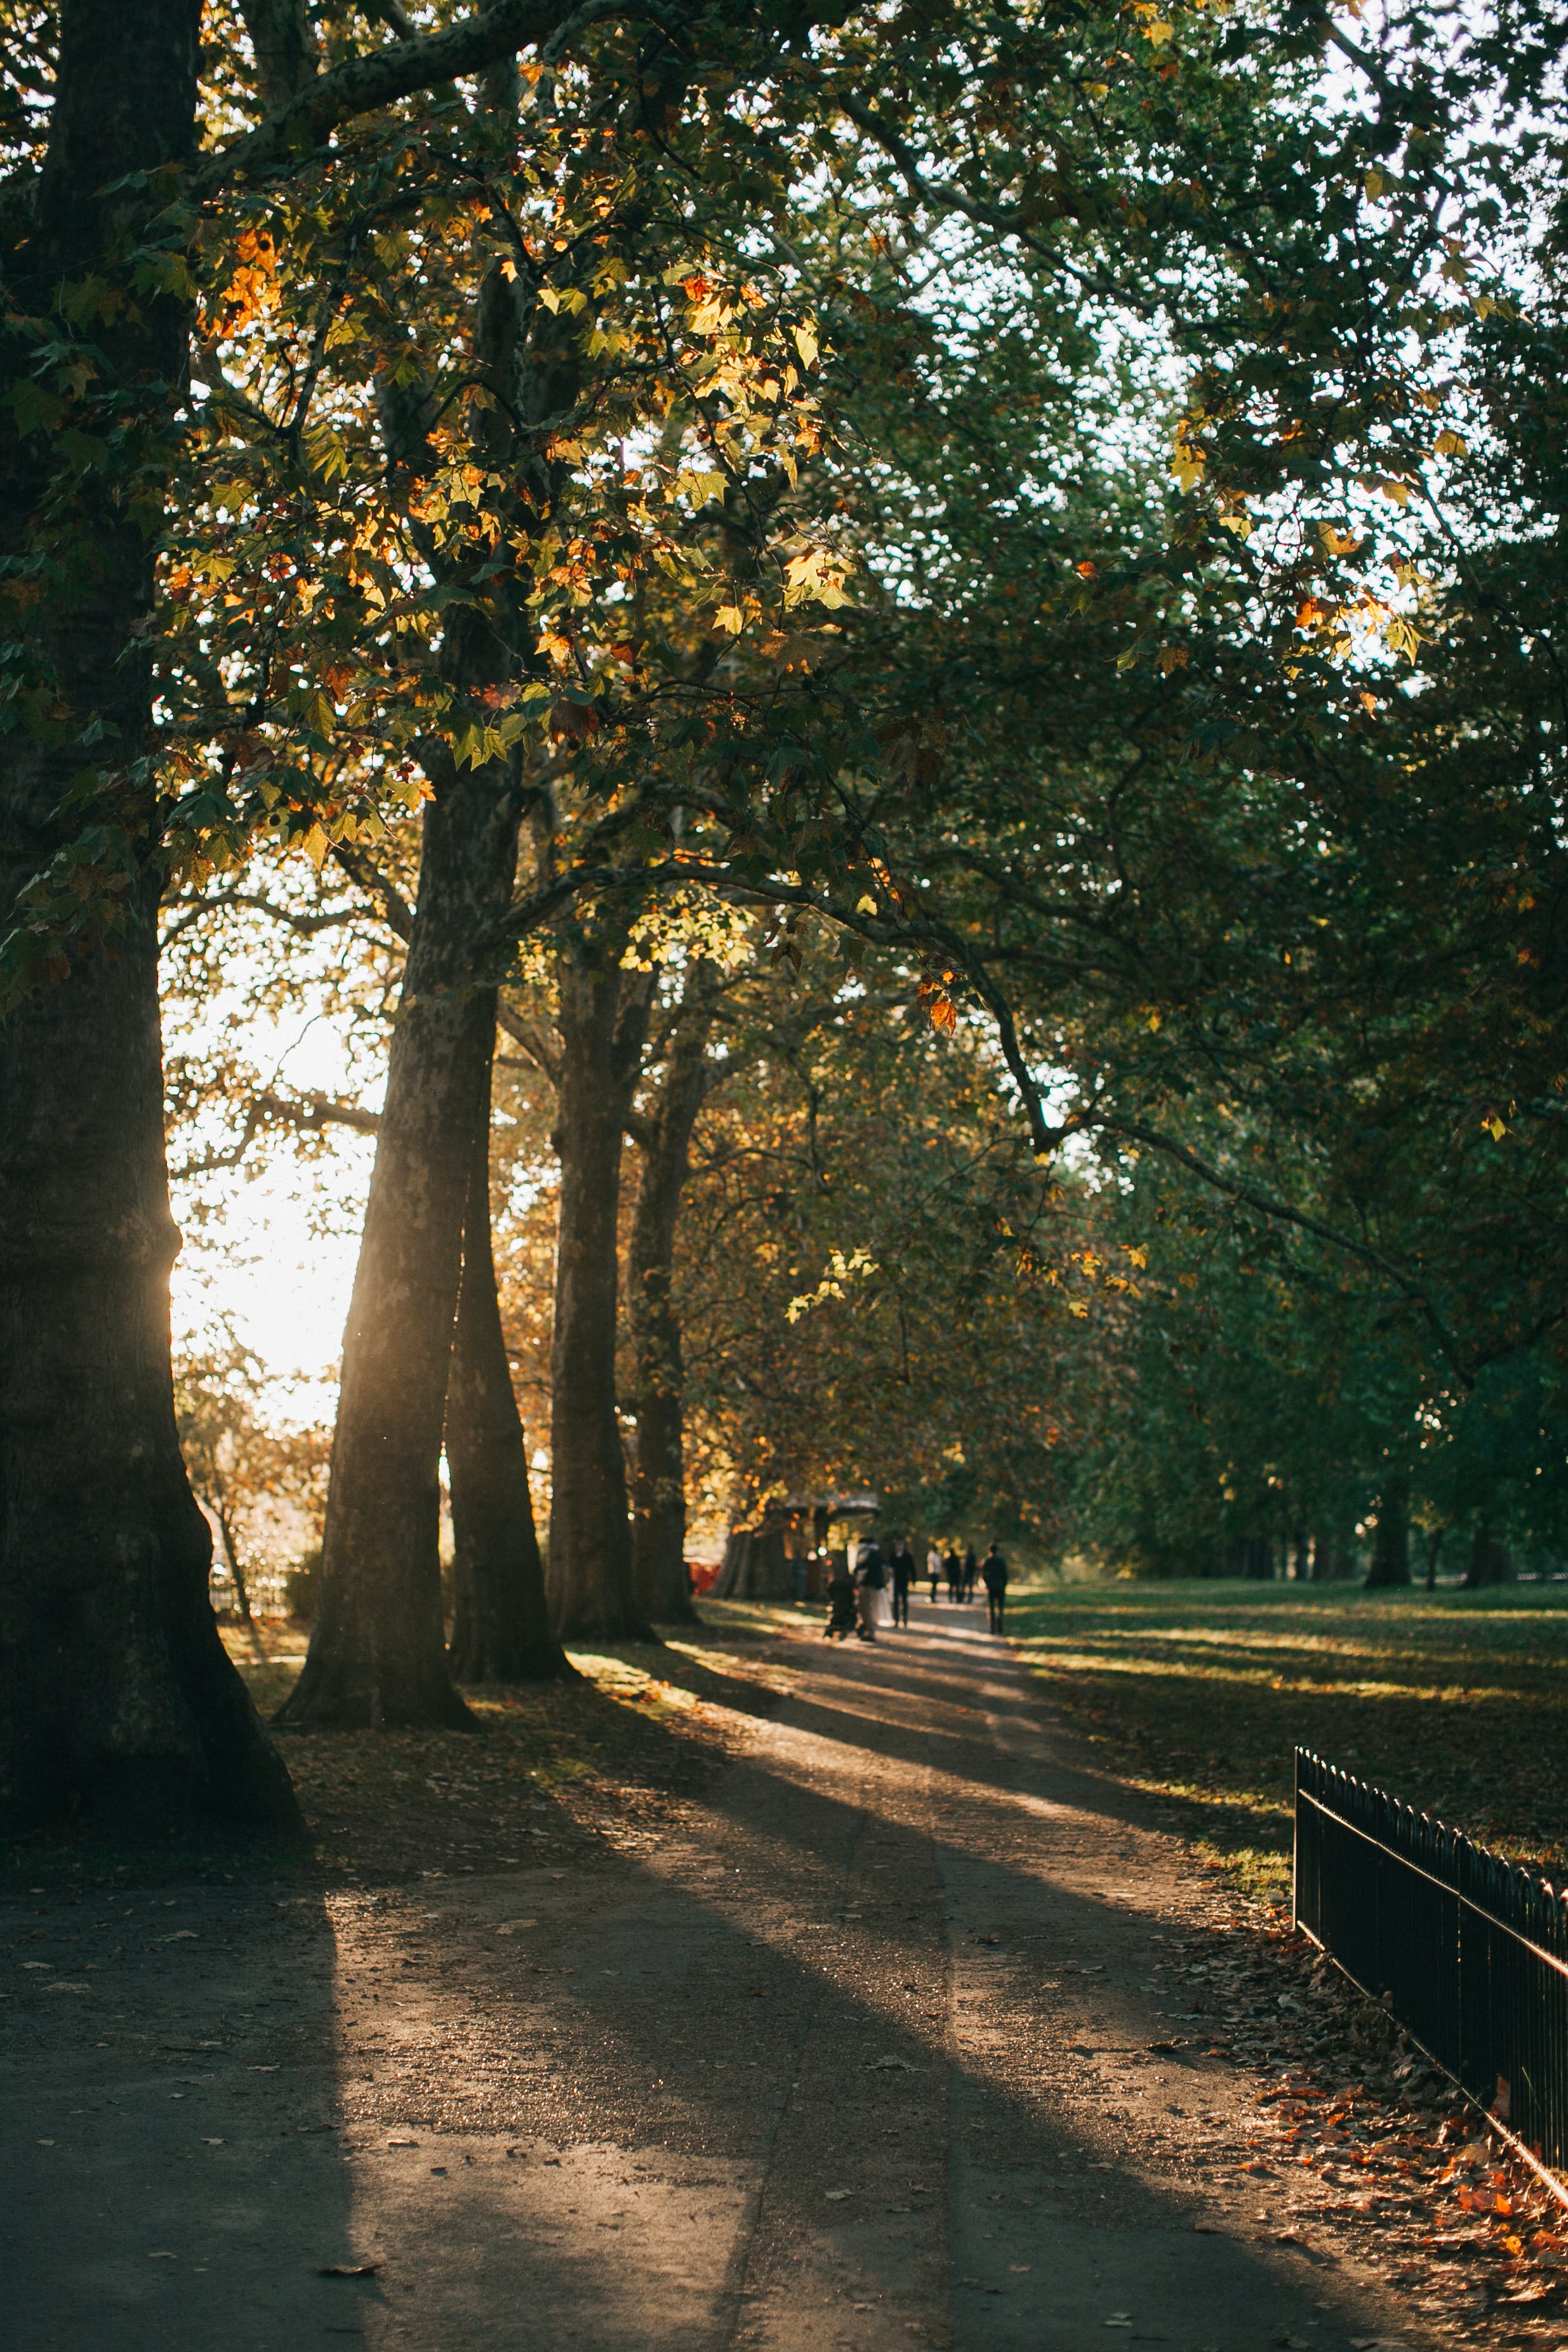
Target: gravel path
x,y
874,2049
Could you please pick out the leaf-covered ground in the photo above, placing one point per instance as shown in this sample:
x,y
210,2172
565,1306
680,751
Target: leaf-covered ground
x,y
1456,1702
549,1767
550,1773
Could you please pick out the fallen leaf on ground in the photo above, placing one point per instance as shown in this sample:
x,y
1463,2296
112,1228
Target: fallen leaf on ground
x,y
348,2270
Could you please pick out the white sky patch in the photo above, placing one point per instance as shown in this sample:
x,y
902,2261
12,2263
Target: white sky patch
x,y
269,1253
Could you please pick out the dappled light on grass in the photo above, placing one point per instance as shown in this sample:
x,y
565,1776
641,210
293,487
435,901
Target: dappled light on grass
x,y
1458,1702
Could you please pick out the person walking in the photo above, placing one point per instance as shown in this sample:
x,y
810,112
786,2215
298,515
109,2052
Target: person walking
x,y
994,1575
954,1576
903,1565
871,1579
971,1572
933,1569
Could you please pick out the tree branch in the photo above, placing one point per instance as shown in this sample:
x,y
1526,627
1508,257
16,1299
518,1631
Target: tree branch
x,y
382,76
389,901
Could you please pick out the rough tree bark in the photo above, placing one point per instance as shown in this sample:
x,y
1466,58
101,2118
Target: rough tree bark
x,y
658,1472
601,1019
117,1699
501,1631
378,1651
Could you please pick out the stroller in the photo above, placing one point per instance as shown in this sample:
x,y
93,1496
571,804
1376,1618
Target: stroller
x,y
841,1620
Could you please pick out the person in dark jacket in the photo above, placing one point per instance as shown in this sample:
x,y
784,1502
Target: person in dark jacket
x,y
971,1570
954,1576
871,1579
841,1603
902,1567
994,1577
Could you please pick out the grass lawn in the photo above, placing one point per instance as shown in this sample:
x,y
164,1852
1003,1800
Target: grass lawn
x,y
1456,1702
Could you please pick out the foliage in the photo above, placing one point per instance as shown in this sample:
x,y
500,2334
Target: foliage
x,y
249,1473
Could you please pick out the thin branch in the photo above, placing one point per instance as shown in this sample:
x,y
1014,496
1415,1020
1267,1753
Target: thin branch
x,y
388,900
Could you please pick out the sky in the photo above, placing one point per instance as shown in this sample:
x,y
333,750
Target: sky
x,y
270,1251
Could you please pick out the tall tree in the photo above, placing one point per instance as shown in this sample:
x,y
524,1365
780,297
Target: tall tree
x,y
602,1017
500,1618
663,1133
116,1696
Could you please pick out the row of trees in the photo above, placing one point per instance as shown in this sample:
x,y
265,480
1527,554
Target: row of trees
x,y
961,484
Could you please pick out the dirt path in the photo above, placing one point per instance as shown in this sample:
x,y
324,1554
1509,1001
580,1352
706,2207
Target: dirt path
x,y
858,2058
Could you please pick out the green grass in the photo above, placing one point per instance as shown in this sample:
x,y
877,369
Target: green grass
x,y
1456,1702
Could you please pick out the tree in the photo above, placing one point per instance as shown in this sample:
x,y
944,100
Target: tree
x,y
664,1130
242,1464
501,1617
116,1696
602,1015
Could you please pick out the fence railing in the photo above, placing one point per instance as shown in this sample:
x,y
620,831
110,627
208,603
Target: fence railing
x,y
1468,1952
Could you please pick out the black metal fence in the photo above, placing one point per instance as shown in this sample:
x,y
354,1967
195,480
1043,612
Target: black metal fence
x,y
1467,1951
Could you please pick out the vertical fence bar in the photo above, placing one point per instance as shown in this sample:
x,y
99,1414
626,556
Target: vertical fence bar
x,y
1469,1954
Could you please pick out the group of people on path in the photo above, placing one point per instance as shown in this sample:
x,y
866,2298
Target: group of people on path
x,y
876,1590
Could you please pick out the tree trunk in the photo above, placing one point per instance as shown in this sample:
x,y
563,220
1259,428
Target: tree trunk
x,y
1434,1552
1391,1549
602,1017
659,1476
500,1621
1491,1561
236,1570
378,1652
118,1701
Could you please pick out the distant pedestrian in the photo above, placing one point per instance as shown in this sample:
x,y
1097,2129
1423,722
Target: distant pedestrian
x,y
954,1576
971,1572
933,1569
903,1565
994,1573
871,1578
841,1603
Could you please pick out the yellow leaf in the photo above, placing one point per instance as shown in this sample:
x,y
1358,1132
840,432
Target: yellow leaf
x,y
1097,90
1494,1126
1158,32
1374,184
1450,445
1126,660
731,617
1338,542
805,344
1239,523
865,904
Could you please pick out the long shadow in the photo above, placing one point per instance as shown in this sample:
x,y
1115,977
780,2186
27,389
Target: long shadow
x,y
707,1971
680,2031
174,2176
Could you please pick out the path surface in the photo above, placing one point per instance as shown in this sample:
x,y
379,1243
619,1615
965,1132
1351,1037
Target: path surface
x,y
859,2059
